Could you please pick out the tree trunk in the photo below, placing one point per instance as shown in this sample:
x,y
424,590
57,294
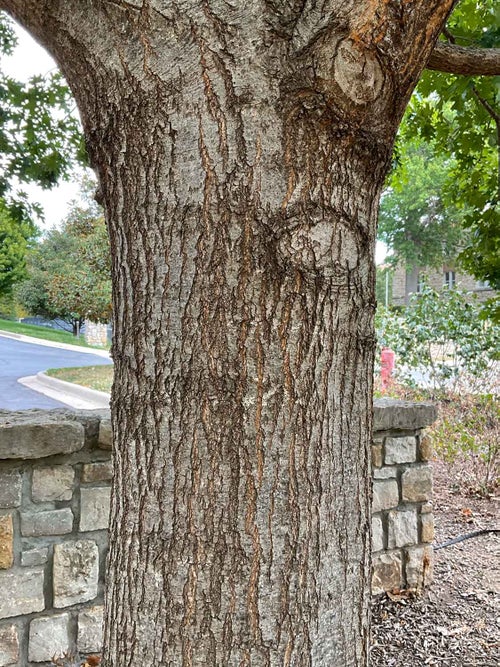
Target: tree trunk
x,y
244,338
241,155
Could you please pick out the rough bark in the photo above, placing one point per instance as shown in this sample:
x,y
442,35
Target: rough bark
x,y
241,153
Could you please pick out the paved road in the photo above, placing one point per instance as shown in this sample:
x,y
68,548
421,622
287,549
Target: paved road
x,y
18,359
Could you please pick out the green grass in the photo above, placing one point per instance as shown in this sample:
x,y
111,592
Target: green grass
x,y
43,332
94,377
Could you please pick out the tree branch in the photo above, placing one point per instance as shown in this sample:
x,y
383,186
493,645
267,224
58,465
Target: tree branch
x,y
469,61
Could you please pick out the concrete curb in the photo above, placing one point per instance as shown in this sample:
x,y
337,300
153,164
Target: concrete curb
x,y
50,343
68,393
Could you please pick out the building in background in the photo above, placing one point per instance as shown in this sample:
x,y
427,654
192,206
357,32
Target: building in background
x,y
406,282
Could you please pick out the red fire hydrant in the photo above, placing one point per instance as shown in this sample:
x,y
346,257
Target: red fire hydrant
x,y
387,363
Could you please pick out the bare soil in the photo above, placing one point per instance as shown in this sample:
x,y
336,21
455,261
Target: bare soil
x,y
456,621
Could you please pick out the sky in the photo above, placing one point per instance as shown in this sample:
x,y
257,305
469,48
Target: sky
x,y
30,59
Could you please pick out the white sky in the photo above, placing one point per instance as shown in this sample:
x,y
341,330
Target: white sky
x,y
28,60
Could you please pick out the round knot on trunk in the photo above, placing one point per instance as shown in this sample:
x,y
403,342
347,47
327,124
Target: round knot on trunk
x,y
357,72
326,248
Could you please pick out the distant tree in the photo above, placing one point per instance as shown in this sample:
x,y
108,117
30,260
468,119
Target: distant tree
x,y
69,271
417,220
15,238
460,115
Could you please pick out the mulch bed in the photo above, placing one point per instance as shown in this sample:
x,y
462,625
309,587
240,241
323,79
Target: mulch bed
x,y
456,622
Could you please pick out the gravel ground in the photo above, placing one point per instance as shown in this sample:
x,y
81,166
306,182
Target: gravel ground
x,y
456,622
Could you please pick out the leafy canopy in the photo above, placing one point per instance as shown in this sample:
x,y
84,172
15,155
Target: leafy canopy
x,y
39,135
421,225
459,117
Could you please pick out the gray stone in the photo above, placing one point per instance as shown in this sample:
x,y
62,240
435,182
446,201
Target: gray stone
x,y
21,592
9,646
419,567
400,450
10,489
90,630
402,529
97,472
48,638
385,495
34,557
52,483
36,434
49,522
76,572
377,534
387,572
417,483
387,472
105,435
392,415
94,508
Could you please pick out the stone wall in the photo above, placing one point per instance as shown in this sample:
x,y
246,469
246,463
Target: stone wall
x,y
55,472
96,333
402,518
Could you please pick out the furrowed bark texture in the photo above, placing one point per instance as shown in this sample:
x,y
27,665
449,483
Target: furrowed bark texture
x,y
241,152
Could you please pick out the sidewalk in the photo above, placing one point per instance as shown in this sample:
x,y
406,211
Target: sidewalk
x,y
49,343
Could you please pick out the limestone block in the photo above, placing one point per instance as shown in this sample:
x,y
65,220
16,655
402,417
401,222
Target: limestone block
x,y
90,630
377,455
34,435
402,529
52,483
48,638
387,572
417,483
76,572
34,557
400,450
418,566
105,435
50,522
377,534
386,472
21,592
6,542
426,508
425,448
9,646
427,521
391,414
97,472
385,495
94,508
10,489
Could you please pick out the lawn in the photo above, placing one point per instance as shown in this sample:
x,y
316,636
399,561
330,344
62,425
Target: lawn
x,y
46,333
94,377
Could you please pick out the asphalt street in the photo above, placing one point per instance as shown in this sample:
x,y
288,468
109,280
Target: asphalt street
x,y
19,359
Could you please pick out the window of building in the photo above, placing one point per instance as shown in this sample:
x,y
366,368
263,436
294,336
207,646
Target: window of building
x,y
483,284
449,279
420,283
